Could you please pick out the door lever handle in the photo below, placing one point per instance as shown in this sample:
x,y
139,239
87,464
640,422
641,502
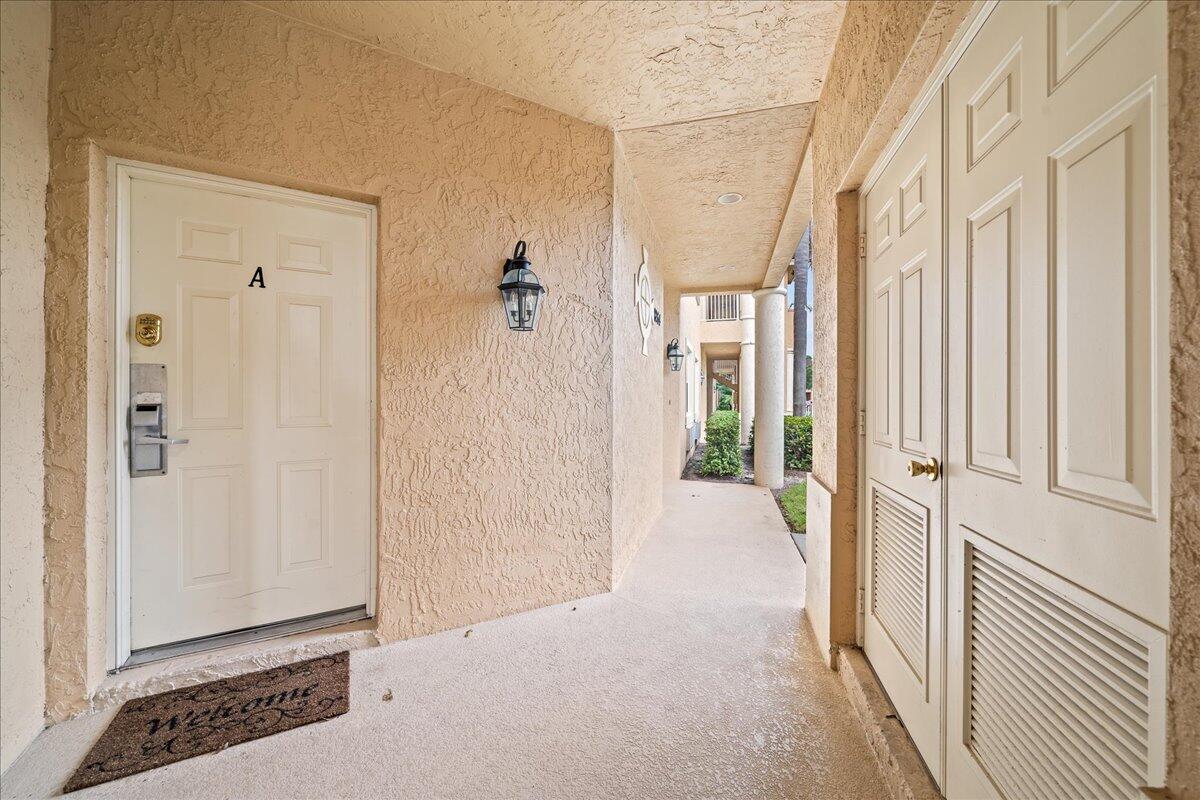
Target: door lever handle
x,y
929,469
159,440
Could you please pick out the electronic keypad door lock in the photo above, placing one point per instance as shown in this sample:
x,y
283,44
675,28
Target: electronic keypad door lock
x,y
148,439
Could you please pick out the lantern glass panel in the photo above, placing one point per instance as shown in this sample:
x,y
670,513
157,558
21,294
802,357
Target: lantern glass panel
x,y
522,299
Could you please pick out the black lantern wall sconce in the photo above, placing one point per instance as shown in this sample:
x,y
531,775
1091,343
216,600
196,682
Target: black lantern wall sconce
x,y
521,292
674,355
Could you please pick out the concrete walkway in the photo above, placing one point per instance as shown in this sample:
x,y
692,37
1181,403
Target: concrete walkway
x,y
697,677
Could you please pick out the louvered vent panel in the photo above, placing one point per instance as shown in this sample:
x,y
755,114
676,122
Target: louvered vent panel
x,y
898,575
1059,698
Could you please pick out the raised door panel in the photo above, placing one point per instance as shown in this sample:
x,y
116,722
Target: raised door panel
x,y
210,241
914,319
304,254
305,332
883,228
995,108
210,358
881,378
1077,29
1103,425
913,193
210,524
993,296
303,514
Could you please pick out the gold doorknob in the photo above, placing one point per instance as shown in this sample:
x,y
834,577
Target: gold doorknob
x,y
929,468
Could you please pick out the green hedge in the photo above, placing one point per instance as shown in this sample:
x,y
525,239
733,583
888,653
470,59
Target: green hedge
x,y
797,443
722,450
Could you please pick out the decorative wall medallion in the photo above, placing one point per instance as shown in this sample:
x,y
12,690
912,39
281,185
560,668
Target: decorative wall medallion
x,y
643,296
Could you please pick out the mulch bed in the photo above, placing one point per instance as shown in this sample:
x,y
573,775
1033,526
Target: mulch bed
x,y
691,472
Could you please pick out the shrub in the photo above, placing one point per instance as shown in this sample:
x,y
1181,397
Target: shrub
x,y
722,451
797,443
725,398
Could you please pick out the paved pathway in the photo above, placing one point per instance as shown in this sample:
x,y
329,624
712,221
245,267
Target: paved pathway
x,y
696,678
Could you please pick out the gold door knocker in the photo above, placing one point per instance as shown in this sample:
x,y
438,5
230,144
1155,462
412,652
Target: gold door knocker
x,y
147,329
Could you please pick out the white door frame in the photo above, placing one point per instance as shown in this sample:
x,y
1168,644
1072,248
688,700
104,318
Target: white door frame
x,y
120,174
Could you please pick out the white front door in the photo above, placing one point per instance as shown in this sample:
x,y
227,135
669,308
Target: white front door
x,y
1058,450
902,614
265,514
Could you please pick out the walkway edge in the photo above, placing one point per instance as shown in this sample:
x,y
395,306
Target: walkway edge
x,y
901,765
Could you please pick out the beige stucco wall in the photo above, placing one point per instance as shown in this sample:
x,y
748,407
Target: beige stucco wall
x,y
681,321
731,330
862,102
494,497
720,330
1183,82
674,405
24,158
638,380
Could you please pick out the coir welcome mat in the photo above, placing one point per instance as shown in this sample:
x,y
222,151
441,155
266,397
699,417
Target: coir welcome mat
x,y
152,731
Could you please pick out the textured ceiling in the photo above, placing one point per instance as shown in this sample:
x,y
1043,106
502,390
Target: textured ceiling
x,y
680,169
709,97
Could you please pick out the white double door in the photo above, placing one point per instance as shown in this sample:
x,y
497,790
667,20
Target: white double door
x,y
264,515
1036,568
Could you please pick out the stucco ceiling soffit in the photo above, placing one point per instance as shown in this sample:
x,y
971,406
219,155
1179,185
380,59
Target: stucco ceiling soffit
x,y
793,224
623,65
682,168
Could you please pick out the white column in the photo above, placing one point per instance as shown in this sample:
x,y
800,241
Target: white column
x,y
787,384
769,386
746,366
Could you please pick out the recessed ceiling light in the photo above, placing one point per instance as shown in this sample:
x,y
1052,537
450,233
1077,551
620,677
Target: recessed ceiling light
x,y
726,267
729,198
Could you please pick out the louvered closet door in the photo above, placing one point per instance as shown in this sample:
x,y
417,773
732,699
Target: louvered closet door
x,y
1057,450
903,597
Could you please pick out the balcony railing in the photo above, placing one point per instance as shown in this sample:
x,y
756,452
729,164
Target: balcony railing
x,y
721,307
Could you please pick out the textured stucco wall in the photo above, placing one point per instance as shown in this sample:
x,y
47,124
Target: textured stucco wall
x,y
862,102
1183,82
681,320
638,380
674,405
489,503
24,160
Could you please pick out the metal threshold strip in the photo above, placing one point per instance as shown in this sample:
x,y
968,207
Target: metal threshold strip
x,y
272,631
